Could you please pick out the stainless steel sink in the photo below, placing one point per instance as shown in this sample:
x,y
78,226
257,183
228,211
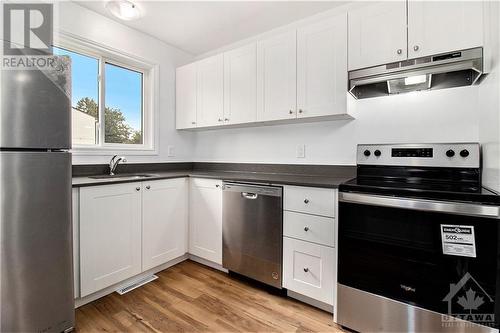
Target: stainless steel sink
x,y
121,176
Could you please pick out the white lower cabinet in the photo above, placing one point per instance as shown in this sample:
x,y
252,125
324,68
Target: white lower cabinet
x,y
76,240
205,219
309,242
110,235
308,269
126,229
164,221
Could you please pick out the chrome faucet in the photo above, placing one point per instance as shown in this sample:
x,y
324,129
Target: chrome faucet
x,y
114,163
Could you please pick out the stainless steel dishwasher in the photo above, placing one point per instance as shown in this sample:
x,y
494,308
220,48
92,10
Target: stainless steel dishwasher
x,y
252,233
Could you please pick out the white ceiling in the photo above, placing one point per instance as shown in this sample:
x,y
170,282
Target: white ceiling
x,y
201,26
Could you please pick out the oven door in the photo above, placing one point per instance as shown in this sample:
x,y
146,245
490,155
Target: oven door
x,y
393,247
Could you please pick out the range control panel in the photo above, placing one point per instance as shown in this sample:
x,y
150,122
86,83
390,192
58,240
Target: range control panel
x,y
459,155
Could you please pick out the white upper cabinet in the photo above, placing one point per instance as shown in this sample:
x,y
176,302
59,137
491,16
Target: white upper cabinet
x,y
377,34
210,91
205,219
322,68
443,26
110,235
277,77
185,96
240,85
164,221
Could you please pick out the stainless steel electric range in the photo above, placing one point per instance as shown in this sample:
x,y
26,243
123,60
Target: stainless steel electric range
x,y
419,242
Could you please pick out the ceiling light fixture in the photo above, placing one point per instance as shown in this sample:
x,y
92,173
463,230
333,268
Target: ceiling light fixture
x,y
123,9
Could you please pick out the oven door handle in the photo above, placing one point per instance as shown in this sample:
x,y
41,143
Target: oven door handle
x,y
456,208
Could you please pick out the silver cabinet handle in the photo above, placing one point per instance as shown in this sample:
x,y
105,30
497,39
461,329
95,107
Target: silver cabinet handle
x,y
306,201
306,269
415,48
306,228
399,51
148,187
137,189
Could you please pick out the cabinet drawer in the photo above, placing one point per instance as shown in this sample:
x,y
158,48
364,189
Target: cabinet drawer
x,y
311,228
308,269
311,200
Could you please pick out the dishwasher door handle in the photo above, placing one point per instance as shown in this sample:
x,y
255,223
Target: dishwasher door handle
x,y
251,196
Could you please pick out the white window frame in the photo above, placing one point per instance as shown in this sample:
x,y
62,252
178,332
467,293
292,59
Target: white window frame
x,y
150,85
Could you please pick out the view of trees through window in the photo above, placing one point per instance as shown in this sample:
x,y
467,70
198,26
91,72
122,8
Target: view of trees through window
x,y
123,111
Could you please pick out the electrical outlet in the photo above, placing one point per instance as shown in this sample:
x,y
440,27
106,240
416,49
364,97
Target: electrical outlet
x,y
301,151
170,151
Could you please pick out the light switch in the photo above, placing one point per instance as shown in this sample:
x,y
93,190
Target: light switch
x,y
170,151
301,151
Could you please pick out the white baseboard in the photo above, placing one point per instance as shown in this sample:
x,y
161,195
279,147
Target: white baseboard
x,y
310,301
109,290
207,263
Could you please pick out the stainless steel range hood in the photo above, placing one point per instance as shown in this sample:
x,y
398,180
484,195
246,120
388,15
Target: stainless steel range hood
x,y
447,70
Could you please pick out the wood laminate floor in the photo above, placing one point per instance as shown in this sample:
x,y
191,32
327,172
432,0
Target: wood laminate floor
x,y
190,297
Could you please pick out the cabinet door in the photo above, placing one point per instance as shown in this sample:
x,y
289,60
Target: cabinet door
x,y
76,239
443,26
322,68
110,235
277,77
185,96
210,91
309,269
164,221
377,34
240,85
205,219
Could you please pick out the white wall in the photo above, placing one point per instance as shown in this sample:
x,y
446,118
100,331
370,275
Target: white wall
x,y
489,107
76,20
437,116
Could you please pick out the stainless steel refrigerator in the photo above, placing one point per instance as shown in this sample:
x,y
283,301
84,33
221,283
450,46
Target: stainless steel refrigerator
x,y
36,283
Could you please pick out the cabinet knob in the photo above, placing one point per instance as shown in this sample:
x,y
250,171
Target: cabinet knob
x,y
148,187
217,185
399,51
306,269
220,119
306,228
415,48
137,189
306,201
226,119
300,110
193,122
290,112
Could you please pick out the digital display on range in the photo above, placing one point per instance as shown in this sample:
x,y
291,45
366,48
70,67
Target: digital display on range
x,y
412,152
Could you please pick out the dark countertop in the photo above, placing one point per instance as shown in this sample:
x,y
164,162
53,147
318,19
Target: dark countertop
x,y
327,181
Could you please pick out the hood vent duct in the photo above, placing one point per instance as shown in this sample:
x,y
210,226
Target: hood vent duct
x,y
447,70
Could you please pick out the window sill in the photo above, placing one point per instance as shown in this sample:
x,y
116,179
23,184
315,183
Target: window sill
x,y
129,151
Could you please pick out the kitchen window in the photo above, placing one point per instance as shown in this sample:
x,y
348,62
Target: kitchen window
x,y
112,100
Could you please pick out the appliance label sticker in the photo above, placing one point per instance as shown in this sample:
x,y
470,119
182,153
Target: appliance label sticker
x,y
458,240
